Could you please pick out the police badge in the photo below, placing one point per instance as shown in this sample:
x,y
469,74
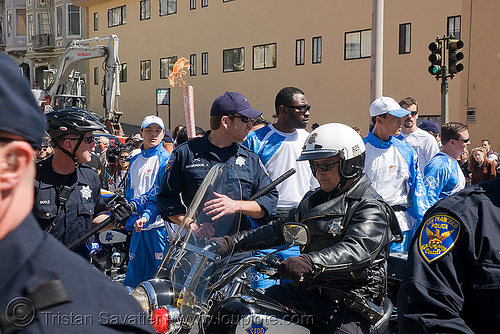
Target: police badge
x,y
335,228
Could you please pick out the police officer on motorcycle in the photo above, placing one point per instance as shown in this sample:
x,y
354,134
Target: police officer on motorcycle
x,y
340,277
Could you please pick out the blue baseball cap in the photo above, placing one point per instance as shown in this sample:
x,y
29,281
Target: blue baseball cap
x,y
387,105
231,103
17,102
429,126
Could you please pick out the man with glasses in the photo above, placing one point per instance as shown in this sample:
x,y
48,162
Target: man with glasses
x,y
45,288
443,175
102,146
230,122
422,142
43,151
392,166
278,146
67,191
350,227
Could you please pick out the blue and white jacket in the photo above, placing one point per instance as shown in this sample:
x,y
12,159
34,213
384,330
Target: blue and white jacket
x,y
392,167
146,171
442,177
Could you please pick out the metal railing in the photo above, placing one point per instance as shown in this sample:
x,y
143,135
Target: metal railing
x,y
43,41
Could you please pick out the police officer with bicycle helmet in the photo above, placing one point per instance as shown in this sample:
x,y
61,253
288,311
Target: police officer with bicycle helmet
x,y
67,191
340,276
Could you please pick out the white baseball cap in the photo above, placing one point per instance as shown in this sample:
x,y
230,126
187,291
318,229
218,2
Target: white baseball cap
x,y
387,105
148,120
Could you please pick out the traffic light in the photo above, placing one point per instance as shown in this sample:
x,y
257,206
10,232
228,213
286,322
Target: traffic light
x,y
435,58
454,56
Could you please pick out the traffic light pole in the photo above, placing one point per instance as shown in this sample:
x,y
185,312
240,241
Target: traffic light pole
x,y
444,96
445,65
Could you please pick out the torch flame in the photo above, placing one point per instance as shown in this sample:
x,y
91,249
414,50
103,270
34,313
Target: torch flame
x,y
180,68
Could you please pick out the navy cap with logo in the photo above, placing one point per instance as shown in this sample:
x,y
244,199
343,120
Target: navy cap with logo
x,y
230,103
19,111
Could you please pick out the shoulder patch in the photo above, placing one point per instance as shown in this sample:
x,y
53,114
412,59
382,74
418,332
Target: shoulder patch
x,y
437,237
169,163
263,167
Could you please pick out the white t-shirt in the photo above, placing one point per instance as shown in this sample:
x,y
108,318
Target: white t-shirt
x,y
424,144
279,151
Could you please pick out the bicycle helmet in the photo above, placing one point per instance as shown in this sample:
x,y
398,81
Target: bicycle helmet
x,y
71,121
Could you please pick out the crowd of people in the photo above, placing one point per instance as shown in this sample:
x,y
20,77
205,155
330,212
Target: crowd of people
x,y
396,190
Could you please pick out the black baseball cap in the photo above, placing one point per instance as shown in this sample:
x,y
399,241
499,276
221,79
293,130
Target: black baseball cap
x,y
18,103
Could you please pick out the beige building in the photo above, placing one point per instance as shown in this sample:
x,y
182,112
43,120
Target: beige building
x,y
256,47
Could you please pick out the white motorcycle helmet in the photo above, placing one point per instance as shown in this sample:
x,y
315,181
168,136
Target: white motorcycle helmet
x,y
333,139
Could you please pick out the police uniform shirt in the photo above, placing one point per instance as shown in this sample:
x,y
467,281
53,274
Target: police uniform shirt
x,y
190,162
83,300
452,281
85,201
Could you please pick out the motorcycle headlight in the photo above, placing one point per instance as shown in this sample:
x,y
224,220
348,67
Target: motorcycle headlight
x,y
141,296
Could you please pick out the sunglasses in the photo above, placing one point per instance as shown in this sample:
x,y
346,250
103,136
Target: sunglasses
x,y
414,113
464,140
325,167
88,140
43,149
244,119
302,109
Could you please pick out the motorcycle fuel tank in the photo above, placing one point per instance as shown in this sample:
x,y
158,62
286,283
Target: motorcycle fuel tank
x,y
250,315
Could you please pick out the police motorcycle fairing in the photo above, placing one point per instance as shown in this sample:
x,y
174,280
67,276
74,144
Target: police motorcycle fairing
x,y
196,291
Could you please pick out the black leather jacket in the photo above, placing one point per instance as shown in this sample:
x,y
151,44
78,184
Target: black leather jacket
x,y
353,258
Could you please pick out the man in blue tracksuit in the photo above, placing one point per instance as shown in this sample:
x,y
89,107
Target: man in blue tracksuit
x,y
149,235
443,175
392,167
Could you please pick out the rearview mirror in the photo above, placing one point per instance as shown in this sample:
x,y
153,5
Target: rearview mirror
x,y
296,234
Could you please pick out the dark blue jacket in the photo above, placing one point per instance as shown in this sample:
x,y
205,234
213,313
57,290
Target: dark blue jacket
x,y
191,161
91,303
75,217
452,280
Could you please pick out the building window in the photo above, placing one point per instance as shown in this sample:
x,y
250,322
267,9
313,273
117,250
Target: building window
x,y
264,56
43,25
300,50
167,66
204,63
30,28
317,50
59,21
168,7
96,76
192,62
404,38
233,60
96,21
145,10
145,70
454,26
117,16
204,3
73,20
123,72
9,23
358,44
21,22
192,4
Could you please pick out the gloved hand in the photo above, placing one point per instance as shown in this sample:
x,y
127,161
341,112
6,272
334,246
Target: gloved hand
x,y
121,209
205,230
294,268
226,244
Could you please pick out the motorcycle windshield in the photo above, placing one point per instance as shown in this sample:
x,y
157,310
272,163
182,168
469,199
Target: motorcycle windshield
x,y
190,263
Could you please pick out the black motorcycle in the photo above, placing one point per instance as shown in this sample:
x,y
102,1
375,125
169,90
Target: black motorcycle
x,y
196,291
